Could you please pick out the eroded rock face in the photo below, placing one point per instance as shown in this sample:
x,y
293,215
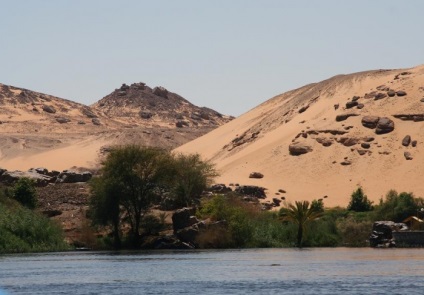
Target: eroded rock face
x,y
297,149
181,218
370,121
384,125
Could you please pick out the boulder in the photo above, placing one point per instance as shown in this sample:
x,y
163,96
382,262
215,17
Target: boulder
x,y
380,95
355,98
360,106
297,149
73,177
365,145
160,91
391,93
10,177
381,235
343,117
351,104
49,109
422,99
345,163
88,113
219,188
370,121
251,190
145,115
407,155
349,141
181,218
401,93
62,120
165,242
324,141
304,108
414,143
256,175
384,125
95,121
362,152
276,202
406,140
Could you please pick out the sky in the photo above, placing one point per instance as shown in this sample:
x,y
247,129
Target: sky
x,y
229,55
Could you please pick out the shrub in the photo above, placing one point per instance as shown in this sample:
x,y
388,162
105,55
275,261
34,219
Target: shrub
x,y
359,202
24,192
397,207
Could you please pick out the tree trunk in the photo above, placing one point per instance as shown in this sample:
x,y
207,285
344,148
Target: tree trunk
x,y
116,237
299,236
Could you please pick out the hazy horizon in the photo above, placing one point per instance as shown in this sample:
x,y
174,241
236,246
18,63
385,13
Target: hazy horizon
x,y
225,55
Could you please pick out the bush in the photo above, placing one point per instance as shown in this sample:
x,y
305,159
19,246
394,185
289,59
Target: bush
x,y
24,192
359,202
23,230
397,207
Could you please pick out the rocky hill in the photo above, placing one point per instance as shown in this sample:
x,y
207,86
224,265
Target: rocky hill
x,y
325,139
138,104
40,130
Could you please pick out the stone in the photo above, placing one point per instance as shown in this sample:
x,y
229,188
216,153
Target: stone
x,y
406,140
88,113
304,108
379,96
401,93
251,190
73,177
410,117
343,117
355,98
414,143
422,99
10,177
276,202
181,218
384,125
145,115
282,191
62,120
362,152
324,141
95,121
365,145
391,93
407,155
219,188
181,124
381,235
298,149
346,163
351,104
48,109
360,106
349,141
160,91
256,175
336,106
370,121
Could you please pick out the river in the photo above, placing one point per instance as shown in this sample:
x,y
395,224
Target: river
x,y
258,271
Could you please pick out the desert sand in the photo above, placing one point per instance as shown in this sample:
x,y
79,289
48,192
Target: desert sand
x,y
259,140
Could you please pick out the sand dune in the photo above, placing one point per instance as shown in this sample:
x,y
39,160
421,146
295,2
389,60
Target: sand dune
x,y
259,140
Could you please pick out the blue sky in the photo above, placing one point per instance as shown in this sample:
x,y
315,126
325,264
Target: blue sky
x,y
229,55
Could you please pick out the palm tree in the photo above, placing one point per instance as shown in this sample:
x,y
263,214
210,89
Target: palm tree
x,y
300,213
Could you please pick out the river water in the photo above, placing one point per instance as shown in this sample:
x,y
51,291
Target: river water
x,y
260,271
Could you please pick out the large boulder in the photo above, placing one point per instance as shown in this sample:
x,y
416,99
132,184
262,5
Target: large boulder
x,y
370,121
384,125
73,177
351,104
382,236
49,109
297,149
10,177
160,91
256,175
182,218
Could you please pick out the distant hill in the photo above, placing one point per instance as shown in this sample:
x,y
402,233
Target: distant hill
x,y
40,130
325,139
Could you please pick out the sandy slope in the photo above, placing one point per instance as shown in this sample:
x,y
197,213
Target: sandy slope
x,y
259,140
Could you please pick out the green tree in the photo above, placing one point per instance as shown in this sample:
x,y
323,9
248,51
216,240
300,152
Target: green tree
x,y
24,192
129,180
359,202
301,214
192,176
397,207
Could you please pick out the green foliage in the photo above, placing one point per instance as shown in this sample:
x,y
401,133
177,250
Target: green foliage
x,y
359,202
301,213
397,207
192,176
317,205
354,232
24,230
152,225
248,226
24,192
